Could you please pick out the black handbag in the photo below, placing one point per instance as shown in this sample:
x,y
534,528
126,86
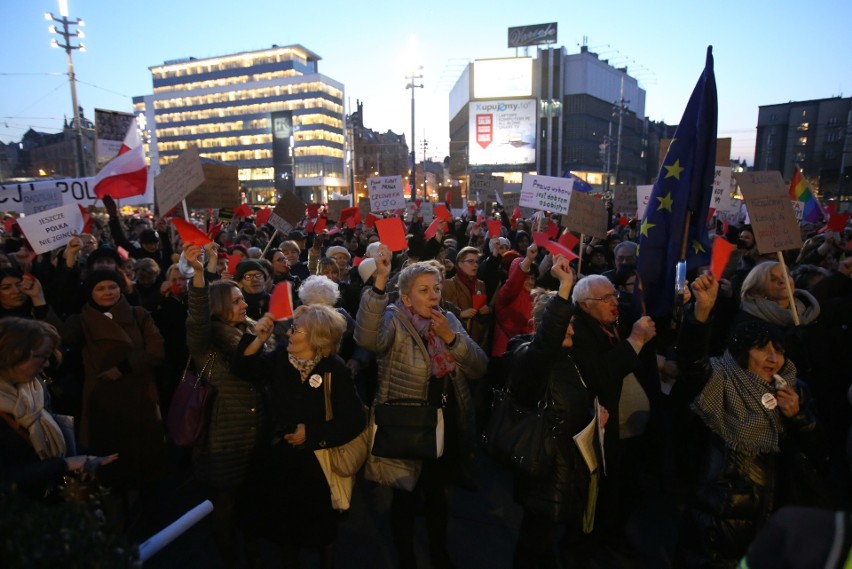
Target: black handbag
x,y
409,428
523,438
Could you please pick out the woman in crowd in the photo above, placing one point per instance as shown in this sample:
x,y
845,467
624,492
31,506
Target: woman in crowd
x,y
280,267
122,351
513,303
32,446
22,296
216,323
748,410
423,353
460,290
293,502
561,496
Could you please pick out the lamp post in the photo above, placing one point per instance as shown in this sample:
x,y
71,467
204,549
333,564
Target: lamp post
x,y
67,33
412,85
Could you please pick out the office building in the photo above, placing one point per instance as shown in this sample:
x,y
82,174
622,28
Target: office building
x,y
268,112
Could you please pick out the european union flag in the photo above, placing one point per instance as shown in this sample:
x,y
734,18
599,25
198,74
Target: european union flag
x,y
681,196
580,185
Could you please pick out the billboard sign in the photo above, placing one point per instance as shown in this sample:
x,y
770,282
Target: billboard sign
x,y
494,78
502,132
538,34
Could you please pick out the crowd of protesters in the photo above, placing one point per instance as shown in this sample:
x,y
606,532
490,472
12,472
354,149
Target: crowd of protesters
x,y
744,406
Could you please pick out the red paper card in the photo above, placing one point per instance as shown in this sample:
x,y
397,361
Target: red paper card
x,y
559,249
494,227
722,250
215,230
8,225
433,228
309,227
440,210
233,261
354,220
568,240
243,211
263,216
281,301
623,221
189,233
370,220
122,252
516,213
471,209
313,209
552,231
392,233
837,222
357,261
320,225
348,212
540,238
479,219
479,301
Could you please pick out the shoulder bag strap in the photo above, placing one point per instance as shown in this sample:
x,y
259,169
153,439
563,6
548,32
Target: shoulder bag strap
x,y
326,389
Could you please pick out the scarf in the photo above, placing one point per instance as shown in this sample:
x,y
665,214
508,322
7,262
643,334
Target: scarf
x,y
442,361
769,311
304,367
469,282
730,405
25,403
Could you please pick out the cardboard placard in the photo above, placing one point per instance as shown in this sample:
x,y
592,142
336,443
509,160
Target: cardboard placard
x,y
335,208
587,215
282,225
546,193
364,207
624,200
487,188
770,212
643,196
512,201
386,193
53,228
179,179
41,200
722,201
290,208
392,233
455,197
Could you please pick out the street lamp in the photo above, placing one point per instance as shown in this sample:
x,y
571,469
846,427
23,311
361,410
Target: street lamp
x,y
67,33
412,85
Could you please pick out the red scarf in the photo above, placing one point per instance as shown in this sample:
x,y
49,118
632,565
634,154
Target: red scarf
x,y
442,361
469,282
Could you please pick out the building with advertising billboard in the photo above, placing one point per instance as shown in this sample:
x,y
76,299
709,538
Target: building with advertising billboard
x,y
268,112
548,114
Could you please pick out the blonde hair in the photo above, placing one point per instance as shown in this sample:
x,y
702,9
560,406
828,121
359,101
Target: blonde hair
x,y
757,280
410,273
323,325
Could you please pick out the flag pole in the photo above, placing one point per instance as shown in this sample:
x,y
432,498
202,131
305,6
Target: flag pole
x,y
641,293
580,258
790,296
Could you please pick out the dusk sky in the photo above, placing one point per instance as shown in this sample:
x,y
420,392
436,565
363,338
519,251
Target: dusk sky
x,y
764,53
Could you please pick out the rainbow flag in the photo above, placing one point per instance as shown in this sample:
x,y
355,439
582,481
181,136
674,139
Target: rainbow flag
x,y
801,191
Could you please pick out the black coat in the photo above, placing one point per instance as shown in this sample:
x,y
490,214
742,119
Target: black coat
x,y
732,494
561,496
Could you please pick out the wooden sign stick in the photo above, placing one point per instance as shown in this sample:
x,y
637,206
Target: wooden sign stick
x,y
580,258
271,239
790,296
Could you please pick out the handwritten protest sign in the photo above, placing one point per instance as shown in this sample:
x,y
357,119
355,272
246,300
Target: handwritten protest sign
x,y
74,191
643,196
624,200
386,193
546,193
290,208
220,188
179,179
53,228
488,188
335,207
41,200
770,212
587,215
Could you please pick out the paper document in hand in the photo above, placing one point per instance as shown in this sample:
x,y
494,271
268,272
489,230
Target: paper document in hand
x,y
588,438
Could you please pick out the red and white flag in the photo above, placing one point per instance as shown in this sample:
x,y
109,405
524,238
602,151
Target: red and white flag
x,y
125,175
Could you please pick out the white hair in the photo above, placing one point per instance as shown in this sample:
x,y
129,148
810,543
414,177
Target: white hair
x,y
581,289
372,249
319,289
498,241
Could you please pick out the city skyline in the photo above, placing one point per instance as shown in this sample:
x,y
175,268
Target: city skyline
x,y
761,57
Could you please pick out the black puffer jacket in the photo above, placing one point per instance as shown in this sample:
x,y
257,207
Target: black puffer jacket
x,y
732,494
561,495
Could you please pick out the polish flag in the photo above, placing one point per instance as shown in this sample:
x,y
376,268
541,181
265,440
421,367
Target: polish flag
x,y
125,175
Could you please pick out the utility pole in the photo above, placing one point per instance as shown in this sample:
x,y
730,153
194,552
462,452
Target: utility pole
x,y
621,106
66,33
413,85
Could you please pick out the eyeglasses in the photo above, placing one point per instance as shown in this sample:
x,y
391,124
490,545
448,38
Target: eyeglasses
x,y
607,298
295,329
254,276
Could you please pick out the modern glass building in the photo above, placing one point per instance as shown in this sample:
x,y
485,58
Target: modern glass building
x,y
268,112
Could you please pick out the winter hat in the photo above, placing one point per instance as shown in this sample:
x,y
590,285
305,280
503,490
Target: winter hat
x,y
99,276
337,249
149,236
366,269
250,265
101,253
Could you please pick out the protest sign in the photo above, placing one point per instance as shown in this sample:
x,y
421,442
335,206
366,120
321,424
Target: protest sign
x,y
454,197
770,211
74,191
41,200
643,196
179,179
386,193
335,208
392,233
220,188
586,215
486,188
624,200
546,193
53,228
289,208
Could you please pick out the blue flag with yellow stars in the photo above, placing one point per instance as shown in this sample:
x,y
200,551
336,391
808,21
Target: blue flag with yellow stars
x,y
681,192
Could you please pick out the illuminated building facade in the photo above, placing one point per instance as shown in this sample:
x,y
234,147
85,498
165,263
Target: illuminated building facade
x,y
268,112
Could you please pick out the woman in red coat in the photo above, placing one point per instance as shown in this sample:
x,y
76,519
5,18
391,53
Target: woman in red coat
x,y
514,302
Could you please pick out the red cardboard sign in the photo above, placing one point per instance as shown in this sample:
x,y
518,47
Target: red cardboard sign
x,y
433,228
122,252
722,250
281,301
313,209
189,233
392,233
370,220
568,240
837,222
440,210
478,301
320,225
494,227
243,211
540,238
559,249
263,216
233,261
